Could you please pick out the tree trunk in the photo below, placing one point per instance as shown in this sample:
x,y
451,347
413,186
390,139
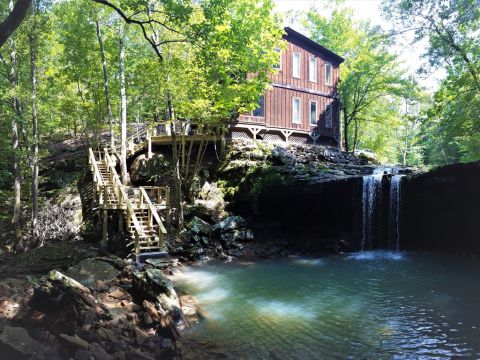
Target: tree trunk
x,y
107,87
177,180
14,19
345,127
355,136
17,174
123,96
35,135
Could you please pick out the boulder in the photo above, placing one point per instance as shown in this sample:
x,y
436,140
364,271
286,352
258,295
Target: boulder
x,y
19,339
156,285
230,223
199,226
282,156
88,271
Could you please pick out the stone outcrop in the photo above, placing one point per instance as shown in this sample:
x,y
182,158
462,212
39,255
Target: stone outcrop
x,y
441,209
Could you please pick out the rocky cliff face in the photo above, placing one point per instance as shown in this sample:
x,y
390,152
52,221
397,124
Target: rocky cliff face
x,y
441,209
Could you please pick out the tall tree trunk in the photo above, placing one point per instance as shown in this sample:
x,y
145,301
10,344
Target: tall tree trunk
x,y
355,136
345,127
107,87
17,174
35,134
405,146
177,180
123,98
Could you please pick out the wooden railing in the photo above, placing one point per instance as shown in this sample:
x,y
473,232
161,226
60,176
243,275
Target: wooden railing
x,y
153,215
143,201
97,178
246,118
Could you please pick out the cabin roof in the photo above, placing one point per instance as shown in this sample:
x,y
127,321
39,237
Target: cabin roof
x,y
295,35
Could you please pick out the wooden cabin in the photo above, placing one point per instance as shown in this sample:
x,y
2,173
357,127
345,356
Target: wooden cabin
x,y
303,105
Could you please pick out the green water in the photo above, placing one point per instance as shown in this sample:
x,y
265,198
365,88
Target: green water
x,y
374,305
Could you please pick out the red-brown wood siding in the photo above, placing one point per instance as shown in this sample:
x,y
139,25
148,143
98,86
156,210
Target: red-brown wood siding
x,y
278,100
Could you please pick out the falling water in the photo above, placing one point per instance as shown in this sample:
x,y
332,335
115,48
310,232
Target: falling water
x,y
372,193
371,189
394,214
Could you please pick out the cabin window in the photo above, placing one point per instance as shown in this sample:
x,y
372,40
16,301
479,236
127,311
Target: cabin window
x,y
278,65
312,69
296,117
296,65
259,111
328,117
313,113
328,73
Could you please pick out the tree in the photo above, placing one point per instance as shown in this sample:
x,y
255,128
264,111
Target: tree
x,y
107,86
17,14
451,129
16,115
370,74
35,134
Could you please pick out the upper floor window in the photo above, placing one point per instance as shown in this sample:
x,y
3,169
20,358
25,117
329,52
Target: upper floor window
x,y
278,64
312,69
328,117
296,116
296,65
313,113
328,73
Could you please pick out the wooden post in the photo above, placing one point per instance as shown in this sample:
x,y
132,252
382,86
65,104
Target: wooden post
x,y
120,222
137,244
149,145
287,134
167,204
105,228
314,137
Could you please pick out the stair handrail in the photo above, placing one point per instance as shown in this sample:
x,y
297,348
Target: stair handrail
x,y
97,177
123,199
153,210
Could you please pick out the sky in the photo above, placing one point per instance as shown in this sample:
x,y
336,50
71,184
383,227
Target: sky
x,y
370,10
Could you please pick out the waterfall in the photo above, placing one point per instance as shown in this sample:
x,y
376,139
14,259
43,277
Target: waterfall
x,y
378,219
371,190
394,214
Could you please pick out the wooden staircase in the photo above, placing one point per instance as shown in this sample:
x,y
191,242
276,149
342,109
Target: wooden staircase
x,y
138,206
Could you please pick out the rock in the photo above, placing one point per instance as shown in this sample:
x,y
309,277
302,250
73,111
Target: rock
x,y
155,284
167,343
98,352
84,355
243,235
199,226
139,355
88,271
19,339
282,156
230,223
75,341
159,263
141,336
107,334
9,309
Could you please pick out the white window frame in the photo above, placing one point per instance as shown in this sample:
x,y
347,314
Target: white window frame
x,y
299,121
279,67
299,75
327,65
310,112
329,117
313,73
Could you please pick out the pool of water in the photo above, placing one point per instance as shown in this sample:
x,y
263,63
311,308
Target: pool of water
x,y
371,305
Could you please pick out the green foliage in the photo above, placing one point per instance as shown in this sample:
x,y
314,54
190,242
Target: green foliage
x,y
372,79
450,130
